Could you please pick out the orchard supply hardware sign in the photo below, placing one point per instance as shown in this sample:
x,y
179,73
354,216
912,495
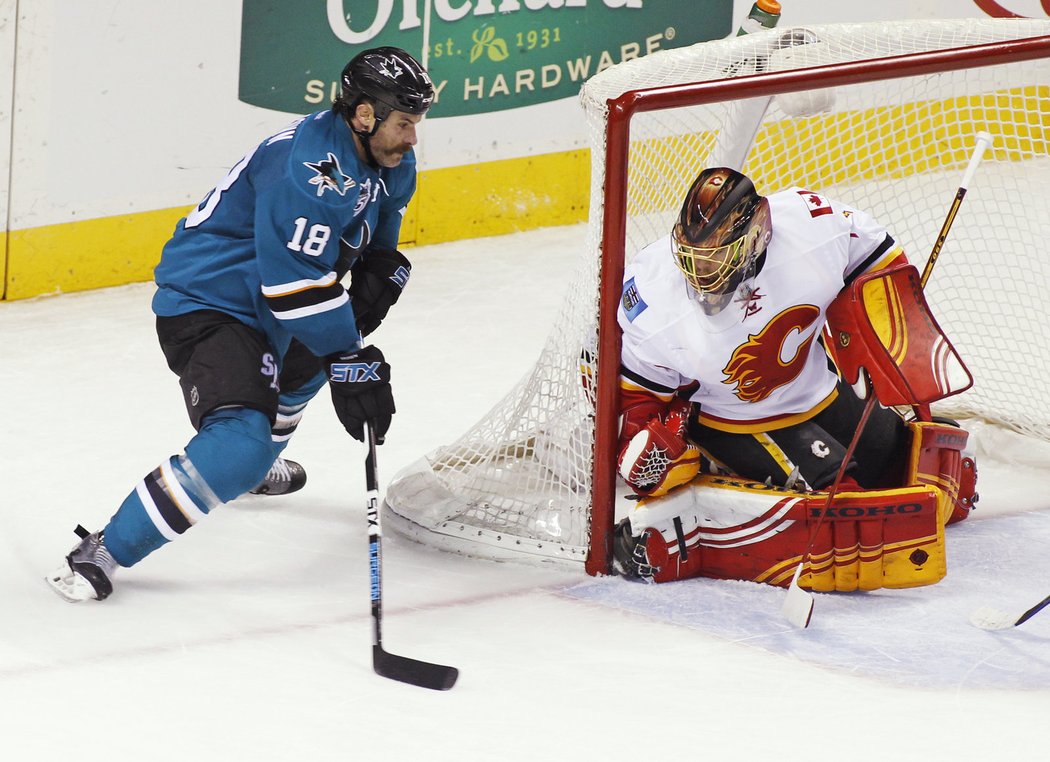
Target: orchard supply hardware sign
x,y
483,55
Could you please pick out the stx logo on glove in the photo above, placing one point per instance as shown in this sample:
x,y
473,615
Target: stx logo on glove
x,y
400,277
354,372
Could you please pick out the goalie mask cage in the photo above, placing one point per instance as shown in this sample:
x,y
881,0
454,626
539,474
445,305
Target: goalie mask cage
x,y
882,116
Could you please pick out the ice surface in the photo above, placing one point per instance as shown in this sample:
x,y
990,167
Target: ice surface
x,y
249,638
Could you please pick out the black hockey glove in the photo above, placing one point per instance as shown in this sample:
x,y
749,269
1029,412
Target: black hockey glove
x,y
360,383
376,281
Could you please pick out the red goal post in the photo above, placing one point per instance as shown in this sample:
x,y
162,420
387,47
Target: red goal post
x,y
880,115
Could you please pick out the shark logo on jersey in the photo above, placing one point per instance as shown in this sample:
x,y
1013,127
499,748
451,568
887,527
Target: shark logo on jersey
x,y
774,356
329,175
364,195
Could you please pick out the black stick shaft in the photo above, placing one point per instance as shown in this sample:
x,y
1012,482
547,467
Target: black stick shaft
x,y
1033,611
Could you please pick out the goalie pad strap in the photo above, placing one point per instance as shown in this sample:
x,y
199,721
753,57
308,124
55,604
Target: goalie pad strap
x,y
940,456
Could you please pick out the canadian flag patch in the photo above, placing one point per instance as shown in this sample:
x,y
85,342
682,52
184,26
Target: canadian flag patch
x,y
818,205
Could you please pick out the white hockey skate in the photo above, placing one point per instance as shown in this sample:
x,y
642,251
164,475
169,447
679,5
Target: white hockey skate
x,y
88,571
284,476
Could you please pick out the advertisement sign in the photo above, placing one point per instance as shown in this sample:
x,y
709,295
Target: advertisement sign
x,y
483,55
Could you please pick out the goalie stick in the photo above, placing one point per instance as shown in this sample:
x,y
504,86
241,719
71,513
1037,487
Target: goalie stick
x,y
988,618
436,677
798,603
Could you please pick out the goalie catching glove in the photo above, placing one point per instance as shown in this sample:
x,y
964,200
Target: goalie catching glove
x,y
360,383
376,282
658,458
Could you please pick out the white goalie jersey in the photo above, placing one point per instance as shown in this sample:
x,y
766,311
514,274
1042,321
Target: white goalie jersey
x,y
757,364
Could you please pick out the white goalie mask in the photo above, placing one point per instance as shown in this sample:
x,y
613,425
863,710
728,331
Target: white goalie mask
x,y
722,231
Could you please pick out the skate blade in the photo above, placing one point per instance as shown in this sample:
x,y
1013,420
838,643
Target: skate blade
x,y
70,586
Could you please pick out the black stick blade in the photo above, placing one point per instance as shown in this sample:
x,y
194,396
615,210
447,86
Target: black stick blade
x,y
436,677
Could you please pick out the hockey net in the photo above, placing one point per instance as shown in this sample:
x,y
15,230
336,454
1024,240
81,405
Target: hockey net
x,y
882,116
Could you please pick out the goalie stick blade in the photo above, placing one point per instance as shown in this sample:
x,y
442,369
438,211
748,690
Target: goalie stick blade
x,y
436,677
798,603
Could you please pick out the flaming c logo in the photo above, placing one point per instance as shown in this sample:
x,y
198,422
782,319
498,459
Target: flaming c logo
x,y
774,356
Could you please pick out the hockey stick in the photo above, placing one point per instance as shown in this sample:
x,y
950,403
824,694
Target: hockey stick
x,y
988,618
984,140
798,603
424,674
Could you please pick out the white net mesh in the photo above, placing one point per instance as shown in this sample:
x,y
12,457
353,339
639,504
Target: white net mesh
x,y
518,484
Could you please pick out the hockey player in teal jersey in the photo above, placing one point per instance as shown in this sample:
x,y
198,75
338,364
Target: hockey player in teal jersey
x,y
252,314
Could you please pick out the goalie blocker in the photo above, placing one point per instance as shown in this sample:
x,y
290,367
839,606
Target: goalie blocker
x,y
868,539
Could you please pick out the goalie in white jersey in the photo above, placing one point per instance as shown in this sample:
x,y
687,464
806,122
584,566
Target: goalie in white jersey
x,y
722,343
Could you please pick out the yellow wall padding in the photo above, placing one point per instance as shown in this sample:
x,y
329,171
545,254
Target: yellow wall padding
x,y
483,199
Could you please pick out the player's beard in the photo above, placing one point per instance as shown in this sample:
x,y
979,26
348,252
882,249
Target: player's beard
x,y
389,156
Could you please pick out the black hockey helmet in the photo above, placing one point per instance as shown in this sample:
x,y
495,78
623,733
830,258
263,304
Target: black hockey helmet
x,y
388,77
722,231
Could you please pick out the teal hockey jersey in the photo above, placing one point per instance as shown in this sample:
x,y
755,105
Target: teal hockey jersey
x,y
269,243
